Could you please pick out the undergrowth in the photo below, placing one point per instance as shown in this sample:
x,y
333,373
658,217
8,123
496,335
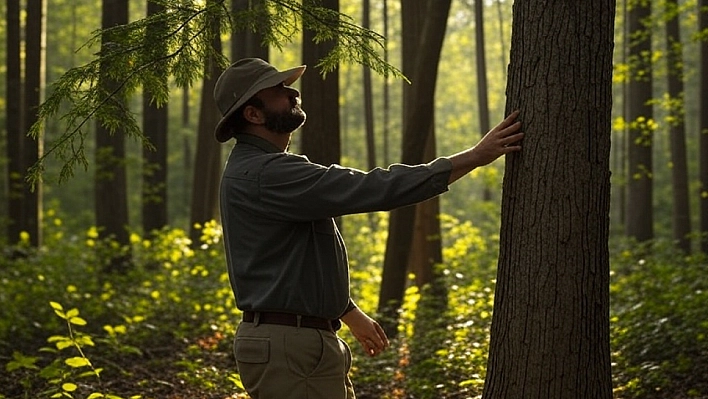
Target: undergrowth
x,y
164,329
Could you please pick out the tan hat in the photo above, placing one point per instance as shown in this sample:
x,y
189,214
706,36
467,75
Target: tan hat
x,y
241,81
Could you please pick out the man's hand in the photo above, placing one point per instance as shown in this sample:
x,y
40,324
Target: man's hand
x,y
501,140
367,331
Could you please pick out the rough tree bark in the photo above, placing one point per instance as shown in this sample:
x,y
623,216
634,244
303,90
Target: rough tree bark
x,y
550,328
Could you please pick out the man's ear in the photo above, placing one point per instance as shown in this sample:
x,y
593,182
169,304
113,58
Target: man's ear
x,y
253,115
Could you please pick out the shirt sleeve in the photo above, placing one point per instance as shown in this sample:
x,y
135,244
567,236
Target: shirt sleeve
x,y
293,188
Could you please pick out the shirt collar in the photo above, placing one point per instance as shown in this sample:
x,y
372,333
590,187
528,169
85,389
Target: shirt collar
x,y
256,141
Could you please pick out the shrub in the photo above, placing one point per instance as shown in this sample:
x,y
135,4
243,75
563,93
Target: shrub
x,y
659,325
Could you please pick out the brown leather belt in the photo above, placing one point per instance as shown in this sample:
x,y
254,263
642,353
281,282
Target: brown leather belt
x,y
289,319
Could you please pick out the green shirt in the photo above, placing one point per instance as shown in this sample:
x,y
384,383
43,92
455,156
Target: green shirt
x,y
283,249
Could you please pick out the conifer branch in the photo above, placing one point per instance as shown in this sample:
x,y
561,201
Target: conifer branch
x,y
132,56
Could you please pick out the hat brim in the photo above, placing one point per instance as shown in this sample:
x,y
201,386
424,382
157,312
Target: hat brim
x,y
286,77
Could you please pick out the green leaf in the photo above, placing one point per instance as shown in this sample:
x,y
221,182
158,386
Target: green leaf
x,y
72,313
69,387
21,361
77,362
56,306
77,321
61,345
96,395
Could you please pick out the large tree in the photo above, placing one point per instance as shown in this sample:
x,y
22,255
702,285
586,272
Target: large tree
x,y
550,328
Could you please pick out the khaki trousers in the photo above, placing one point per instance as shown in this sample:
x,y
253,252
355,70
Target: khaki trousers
x,y
283,362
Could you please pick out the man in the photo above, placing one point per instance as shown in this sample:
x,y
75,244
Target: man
x,y
286,259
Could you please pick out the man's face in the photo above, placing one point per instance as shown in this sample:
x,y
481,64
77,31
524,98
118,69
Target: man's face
x,y
281,109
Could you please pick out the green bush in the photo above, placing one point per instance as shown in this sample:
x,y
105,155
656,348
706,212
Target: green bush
x,y
173,311
659,323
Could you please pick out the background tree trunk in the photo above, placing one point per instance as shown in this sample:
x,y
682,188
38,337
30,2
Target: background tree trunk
x,y
207,164
703,125
417,125
426,246
13,122
677,128
111,188
155,117
640,215
320,136
246,43
482,95
386,92
33,96
368,99
550,327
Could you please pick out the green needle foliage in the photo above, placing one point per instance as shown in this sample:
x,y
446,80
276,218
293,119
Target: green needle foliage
x,y
176,43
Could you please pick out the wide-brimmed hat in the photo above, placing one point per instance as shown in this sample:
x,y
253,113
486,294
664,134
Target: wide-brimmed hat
x,y
241,81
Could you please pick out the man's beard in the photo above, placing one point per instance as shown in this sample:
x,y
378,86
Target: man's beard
x,y
284,122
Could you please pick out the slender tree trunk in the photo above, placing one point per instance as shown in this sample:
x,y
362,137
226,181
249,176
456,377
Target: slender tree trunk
x,y
703,126
502,36
550,328
482,96
368,100
207,164
426,245
33,96
13,123
386,92
187,141
417,125
640,215
111,188
320,139
154,189
677,128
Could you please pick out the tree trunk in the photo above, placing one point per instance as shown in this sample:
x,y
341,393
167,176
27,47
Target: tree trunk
x,y
640,215
386,92
482,96
502,36
33,96
13,122
368,100
111,189
245,43
677,129
703,126
426,248
154,190
320,138
417,125
550,328
207,163
426,245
